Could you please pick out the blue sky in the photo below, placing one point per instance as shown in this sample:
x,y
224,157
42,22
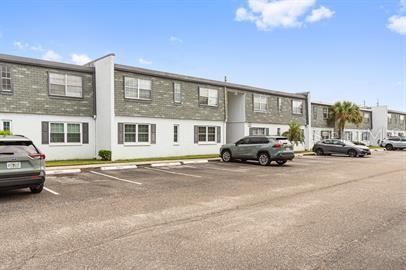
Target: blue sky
x,y
343,49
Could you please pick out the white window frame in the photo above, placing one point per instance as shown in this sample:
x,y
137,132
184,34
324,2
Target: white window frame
x,y
206,141
5,78
328,113
367,135
295,108
176,126
262,100
279,101
137,133
138,88
7,121
66,84
65,132
402,117
257,133
177,93
212,94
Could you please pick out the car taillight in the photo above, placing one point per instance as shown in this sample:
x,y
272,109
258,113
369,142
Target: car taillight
x,y
278,145
37,156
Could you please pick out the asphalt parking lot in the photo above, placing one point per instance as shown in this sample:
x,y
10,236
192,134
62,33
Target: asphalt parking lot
x,y
313,213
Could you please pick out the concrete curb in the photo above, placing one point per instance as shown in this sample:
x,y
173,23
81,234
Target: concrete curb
x,y
166,164
114,168
69,171
186,162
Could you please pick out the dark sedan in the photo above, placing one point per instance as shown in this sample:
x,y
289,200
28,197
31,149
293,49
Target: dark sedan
x,y
333,146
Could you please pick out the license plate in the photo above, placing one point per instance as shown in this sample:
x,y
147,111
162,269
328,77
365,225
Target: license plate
x,y
13,165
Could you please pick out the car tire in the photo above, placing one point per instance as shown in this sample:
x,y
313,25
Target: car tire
x,y
281,162
37,188
319,152
226,156
389,147
352,153
263,159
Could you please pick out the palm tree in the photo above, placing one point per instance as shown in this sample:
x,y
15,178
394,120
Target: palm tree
x,y
345,111
295,133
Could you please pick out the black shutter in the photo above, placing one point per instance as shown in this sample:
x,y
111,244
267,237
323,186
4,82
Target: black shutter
x,y
85,133
267,131
153,134
251,131
120,133
196,134
45,133
218,134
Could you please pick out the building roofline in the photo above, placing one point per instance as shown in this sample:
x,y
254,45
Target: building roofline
x,y
43,63
395,111
174,76
100,58
330,104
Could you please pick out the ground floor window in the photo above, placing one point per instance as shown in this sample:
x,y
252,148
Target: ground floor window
x,y
258,131
401,134
278,131
176,134
325,134
6,125
348,136
365,136
207,134
136,133
65,133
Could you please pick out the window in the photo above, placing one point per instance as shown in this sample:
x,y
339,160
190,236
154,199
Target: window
x,y
258,140
366,117
279,101
6,125
365,136
177,94
207,134
260,103
136,133
278,131
5,76
348,135
325,134
137,88
402,118
208,97
65,85
401,134
297,106
314,112
258,131
176,134
326,113
390,118
65,133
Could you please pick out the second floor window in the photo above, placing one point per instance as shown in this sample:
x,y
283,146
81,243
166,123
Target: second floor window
x,y
279,101
390,118
65,85
366,118
208,97
325,113
260,103
297,106
5,76
177,94
137,88
315,113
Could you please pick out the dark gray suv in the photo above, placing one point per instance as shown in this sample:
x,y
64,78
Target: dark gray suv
x,y
22,165
262,148
334,146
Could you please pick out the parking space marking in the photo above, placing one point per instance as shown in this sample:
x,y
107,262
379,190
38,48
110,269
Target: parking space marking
x,y
116,178
226,170
170,172
51,191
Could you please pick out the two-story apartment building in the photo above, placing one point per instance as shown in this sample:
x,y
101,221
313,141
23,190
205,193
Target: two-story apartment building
x,y
387,123
324,128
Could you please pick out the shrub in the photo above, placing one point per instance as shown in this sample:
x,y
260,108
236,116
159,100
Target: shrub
x,y
5,132
105,155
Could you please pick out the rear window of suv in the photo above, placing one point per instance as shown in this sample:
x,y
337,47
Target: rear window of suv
x,y
17,148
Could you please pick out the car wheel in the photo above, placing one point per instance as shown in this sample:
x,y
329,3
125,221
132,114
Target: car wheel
x,y
281,162
319,152
226,156
37,188
352,153
264,159
389,147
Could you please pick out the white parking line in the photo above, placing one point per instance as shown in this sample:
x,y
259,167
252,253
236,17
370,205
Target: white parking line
x,y
116,178
226,170
51,191
170,172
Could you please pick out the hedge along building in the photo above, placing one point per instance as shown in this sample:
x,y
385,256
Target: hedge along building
x,y
324,128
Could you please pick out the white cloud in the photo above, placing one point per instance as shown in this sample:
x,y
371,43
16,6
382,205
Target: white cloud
x,y
403,5
26,46
319,14
51,56
20,45
397,24
80,59
174,39
269,14
142,61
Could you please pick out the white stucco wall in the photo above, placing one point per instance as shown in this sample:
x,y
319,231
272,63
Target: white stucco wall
x,y
164,139
379,123
29,125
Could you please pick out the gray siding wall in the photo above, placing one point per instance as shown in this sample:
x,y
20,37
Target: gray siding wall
x,y
162,104
31,94
273,116
395,123
319,122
